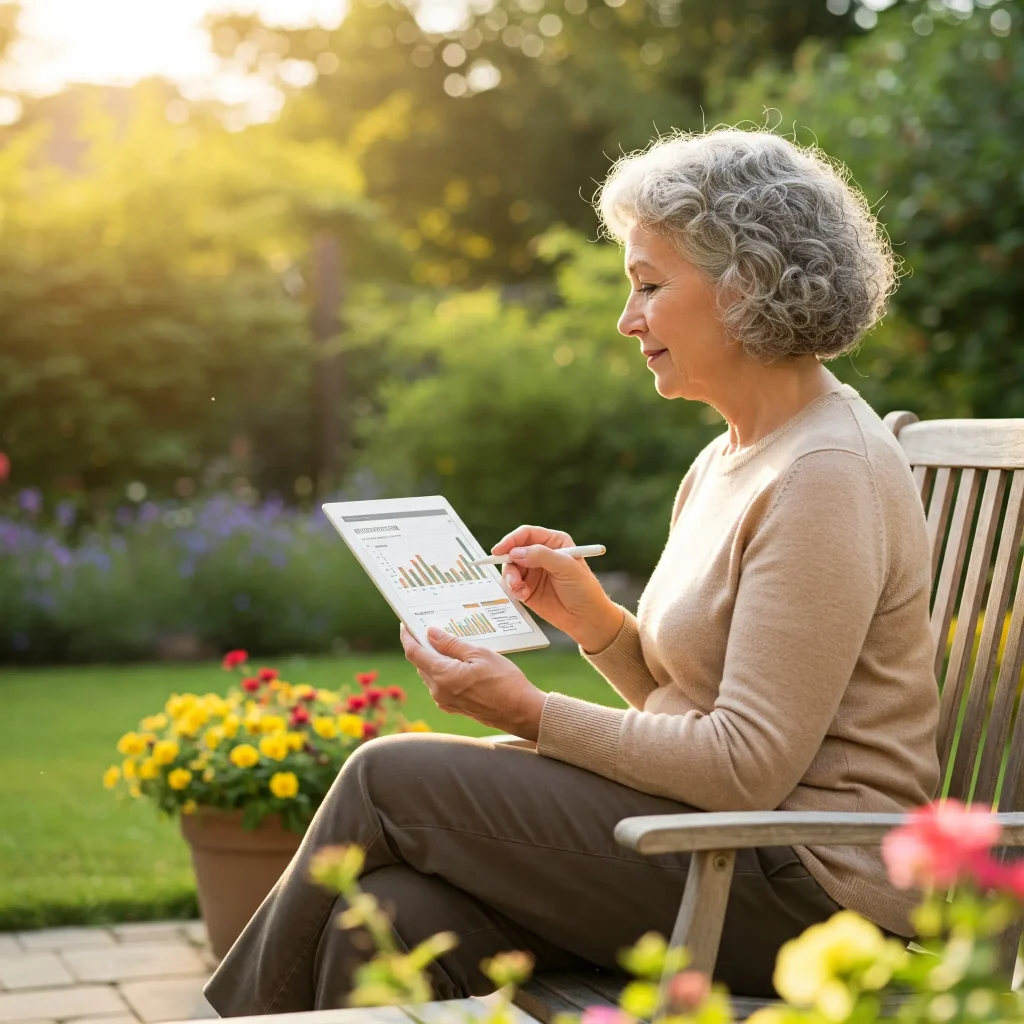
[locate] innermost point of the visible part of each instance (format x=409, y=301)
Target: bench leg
x=702, y=913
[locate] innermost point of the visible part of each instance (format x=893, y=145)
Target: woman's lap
x=527, y=843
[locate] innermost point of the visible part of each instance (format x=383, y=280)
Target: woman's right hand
x=559, y=588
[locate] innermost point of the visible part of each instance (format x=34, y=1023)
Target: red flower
x=939, y=845
x=369, y=730
x=366, y=678
x=396, y=693
x=5, y=467
x=374, y=696
x=309, y=697
x=357, y=702
x=300, y=716
x=266, y=674
x=250, y=684
x=234, y=658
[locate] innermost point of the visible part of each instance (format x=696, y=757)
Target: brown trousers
x=508, y=849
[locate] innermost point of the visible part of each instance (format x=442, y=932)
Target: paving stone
x=33, y=970
x=61, y=1003
x=148, y=931
x=9, y=945
x=66, y=938
x=169, y=999
x=195, y=931
x=135, y=960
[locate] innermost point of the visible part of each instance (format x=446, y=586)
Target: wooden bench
x=970, y=474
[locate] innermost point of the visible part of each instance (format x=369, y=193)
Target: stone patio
x=123, y=974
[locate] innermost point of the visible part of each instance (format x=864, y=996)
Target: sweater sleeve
x=622, y=662
x=810, y=581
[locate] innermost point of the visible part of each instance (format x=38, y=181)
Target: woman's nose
x=631, y=322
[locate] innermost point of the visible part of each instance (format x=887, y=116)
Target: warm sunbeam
x=120, y=41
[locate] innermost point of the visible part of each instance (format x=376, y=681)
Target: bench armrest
x=740, y=830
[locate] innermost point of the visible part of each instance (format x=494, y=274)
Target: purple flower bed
x=153, y=577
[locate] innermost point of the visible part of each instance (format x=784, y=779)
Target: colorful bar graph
x=418, y=573
x=472, y=625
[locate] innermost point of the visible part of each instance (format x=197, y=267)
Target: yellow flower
x=189, y=807
x=284, y=785
x=244, y=755
x=128, y=768
x=213, y=736
x=325, y=727
x=192, y=721
x=418, y=726
x=131, y=744
x=110, y=776
x=252, y=723
x=272, y=724
x=274, y=747
x=165, y=751
x=230, y=726
x=199, y=762
x=135, y=790
x=179, y=778
x=813, y=969
x=296, y=740
x=350, y=725
x=154, y=723
x=216, y=705
x=327, y=696
x=149, y=769
x=302, y=690
x=209, y=775
x=178, y=704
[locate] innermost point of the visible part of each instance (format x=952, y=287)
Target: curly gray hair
x=800, y=264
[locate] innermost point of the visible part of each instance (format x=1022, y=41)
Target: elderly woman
x=781, y=655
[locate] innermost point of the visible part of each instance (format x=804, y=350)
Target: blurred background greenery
x=383, y=278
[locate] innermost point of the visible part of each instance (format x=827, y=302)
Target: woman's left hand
x=474, y=681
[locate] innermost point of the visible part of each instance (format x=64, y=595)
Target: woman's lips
x=654, y=355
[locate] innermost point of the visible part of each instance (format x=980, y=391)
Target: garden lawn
x=71, y=852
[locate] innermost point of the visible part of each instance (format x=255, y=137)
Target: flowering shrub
x=215, y=572
x=267, y=747
x=843, y=971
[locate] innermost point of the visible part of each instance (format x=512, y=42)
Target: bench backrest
x=970, y=474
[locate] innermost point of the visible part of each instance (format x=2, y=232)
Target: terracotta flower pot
x=235, y=869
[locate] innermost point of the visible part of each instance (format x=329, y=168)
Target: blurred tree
x=479, y=137
x=153, y=298
x=928, y=112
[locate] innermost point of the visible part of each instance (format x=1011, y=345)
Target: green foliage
x=147, y=319
x=547, y=417
x=927, y=112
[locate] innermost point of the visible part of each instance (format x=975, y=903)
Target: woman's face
x=671, y=312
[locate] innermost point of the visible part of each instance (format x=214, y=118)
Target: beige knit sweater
x=781, y=656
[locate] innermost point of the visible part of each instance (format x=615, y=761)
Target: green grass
x=70, y=852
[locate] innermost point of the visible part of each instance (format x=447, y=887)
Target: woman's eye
x=648, y=287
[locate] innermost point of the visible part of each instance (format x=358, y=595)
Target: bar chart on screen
x=426, y=560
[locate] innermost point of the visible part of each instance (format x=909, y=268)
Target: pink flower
x=370, y=731
x=686, y=991
x=357, y=702
x=395, y=693
x=266, y=674
x=235, y=658
x=366, y=678
x=604, y=1015
x=374, y=696
x=5, y=467
x=250, y=684
x=300, y=716
x=941, y=844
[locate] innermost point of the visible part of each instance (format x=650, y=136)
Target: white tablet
x=417, y=551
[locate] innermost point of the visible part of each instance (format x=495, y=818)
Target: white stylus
x=583, y=551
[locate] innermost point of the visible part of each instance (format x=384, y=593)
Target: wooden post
x=328, y=295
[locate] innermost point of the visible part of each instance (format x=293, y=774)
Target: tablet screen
x=425, y=556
